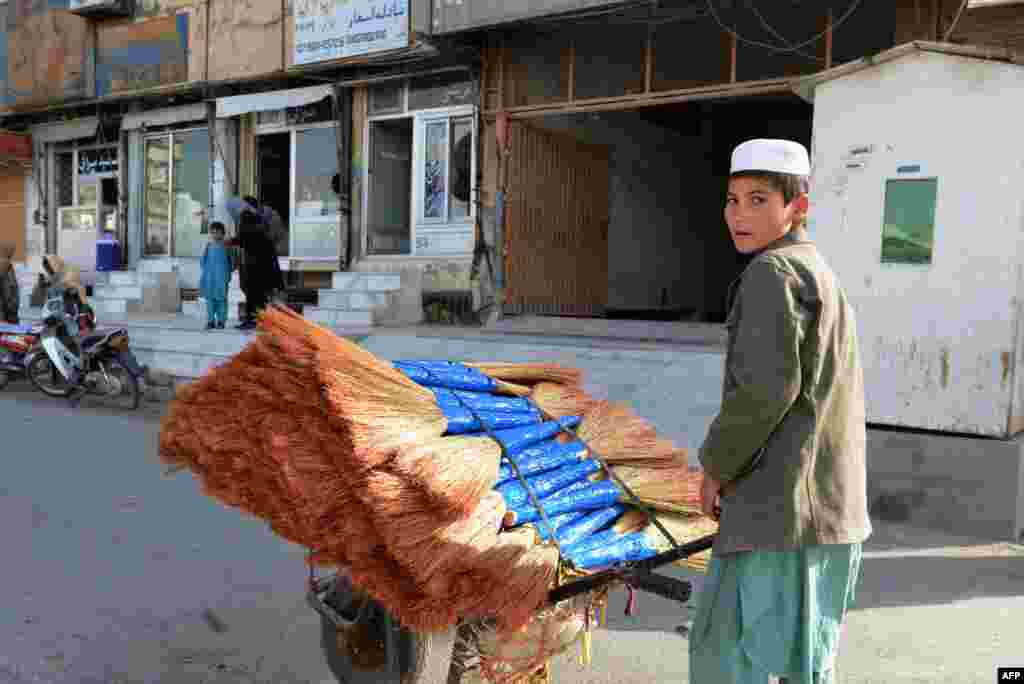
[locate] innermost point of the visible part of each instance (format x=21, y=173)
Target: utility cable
x=775, y=48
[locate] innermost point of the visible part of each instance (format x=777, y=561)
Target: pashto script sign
x=334, y=29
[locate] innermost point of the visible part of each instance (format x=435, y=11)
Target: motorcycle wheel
x=45, y=377
x=129, y=394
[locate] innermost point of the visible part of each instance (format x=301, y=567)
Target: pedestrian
x=276, y=228
x=784, y=459
x=262, y=274
x=216, y=277
x=10, y=293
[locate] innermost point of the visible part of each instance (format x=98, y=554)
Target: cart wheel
x=356, y=651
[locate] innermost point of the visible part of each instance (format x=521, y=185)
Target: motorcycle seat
x=90, y=341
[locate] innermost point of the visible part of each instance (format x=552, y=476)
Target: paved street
x=115, y=573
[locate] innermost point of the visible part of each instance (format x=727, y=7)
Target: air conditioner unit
x=102, y=8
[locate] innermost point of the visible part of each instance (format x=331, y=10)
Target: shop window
x=908, y=229
x=446, y=178
x=177, y=193
x=314, y=230
x=65, y=179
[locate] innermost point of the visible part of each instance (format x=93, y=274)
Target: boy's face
x=757, y=213
x=217, y=235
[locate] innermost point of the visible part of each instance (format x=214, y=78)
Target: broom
x=529, y=373
x=615, y=432
x=648, y=542
x=559, y=400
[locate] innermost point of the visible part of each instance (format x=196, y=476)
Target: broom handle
x=534, y=499
x=639, y=575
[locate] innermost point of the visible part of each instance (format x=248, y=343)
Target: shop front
x=15, y=167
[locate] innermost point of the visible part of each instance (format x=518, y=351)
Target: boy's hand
x=710, y=497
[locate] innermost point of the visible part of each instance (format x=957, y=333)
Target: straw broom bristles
x=453, y=545
x=455, y=473
x=677, y=485
x=619, y=435
x=559, y=400
x=528, y=372
x=685, y=529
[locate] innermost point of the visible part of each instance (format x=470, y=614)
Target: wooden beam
x=649, y=60
x=572, y=71
x=732, y=47
x=640, y=101
x=501, y=73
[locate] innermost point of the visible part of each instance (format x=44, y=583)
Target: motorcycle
x=74, y=359
x=16, y=343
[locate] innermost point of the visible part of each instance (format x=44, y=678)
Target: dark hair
x=252, y=201
x=217, y=225
x=789, y=185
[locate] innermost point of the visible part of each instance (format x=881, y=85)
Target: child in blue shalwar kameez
x=216, y=275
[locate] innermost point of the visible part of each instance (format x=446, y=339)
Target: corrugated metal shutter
x=556, y=259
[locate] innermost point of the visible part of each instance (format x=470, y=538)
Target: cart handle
x=639, y=574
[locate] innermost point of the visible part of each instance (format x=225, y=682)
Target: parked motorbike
x=16, y=343
x=74, y=359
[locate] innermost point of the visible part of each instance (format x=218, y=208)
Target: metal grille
x=449, y=308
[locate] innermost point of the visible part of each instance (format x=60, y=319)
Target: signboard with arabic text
x=336, y=29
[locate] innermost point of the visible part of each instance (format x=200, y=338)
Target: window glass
x=461, y=168
x=157, y=195
x=441, y=90
x=908, y=230
x=435, y=182
x=316, y=207
x=191, y=178
x=65, y=179
x=88, y=193
x=387, y=98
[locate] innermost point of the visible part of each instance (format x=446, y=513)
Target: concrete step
x=366, y=282
x=338, y=317
x=352, y=301
x=180, y=346
x=128, y=278
x=115, y=306
x=118, y=291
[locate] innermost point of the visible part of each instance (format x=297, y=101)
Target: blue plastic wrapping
x=481, y=401
x=635, y=546
x=558, y=522
x=517, y=439
x=592, y=541
x=456, y=378
x=516, y=495
x=591, y=497
x=590, y=523
x=461, y=421
x=542, y=458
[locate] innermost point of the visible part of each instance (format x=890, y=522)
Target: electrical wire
x=956, y=20
x=854, y=5
x=771, y=29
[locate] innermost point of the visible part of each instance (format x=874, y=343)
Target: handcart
x=401, y=656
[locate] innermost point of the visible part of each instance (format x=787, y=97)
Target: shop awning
x=277, y=99
x=167, y=116
x=15, y=147
x=66, y=130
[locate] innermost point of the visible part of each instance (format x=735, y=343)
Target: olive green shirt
x=789, y=440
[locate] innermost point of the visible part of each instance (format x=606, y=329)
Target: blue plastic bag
x=590, y=523
x=588, y=498
x=542, y=458
x=517, y=495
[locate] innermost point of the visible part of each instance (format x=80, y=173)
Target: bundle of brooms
x=403, y=473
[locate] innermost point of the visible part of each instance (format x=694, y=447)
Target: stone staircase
x=360, y=299
x=118, y=293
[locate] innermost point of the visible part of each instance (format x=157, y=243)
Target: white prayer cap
x=776, y=156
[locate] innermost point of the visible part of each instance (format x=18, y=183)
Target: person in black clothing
x=261, y=276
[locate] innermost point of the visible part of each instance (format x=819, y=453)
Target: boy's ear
x=802, y=204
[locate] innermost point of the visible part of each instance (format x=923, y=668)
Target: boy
x=784, y=459
x=216, y=276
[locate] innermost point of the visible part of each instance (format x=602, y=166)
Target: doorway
x=273, y=180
